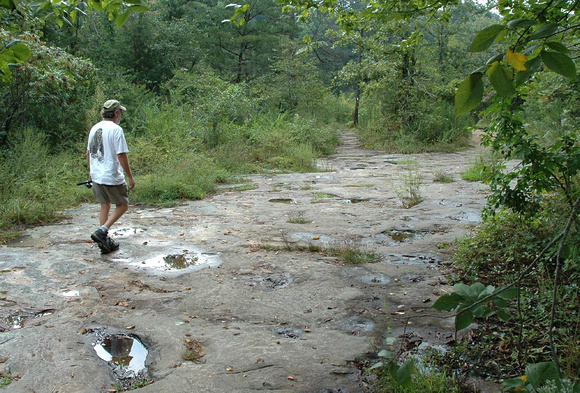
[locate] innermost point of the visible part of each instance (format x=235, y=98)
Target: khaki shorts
x=118, y=195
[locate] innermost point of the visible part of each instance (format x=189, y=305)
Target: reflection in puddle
x=179, y=262
x=126, y=355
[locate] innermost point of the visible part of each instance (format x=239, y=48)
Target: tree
x=18, y=17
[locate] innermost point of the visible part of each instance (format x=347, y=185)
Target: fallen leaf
x=229, y=368
x=130, y=327
x=292, y=379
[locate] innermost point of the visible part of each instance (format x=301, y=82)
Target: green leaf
x=558, y=47
x=504, y=316
x=541, y=372
x=404, y=373
x=469, y=94
x=486, y=37
x=512, y=383
x=532, y=65
x=514, y=24
x=501, y=79
x=138, y=8
x=559, y=63
x=463, y=320
x=544, y=31
x=386, y=354
x=499, y=302
x=122, y=18
x=509, y=293
x=8, y=4
x=447, y=302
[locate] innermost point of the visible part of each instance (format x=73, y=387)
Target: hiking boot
x=105, y=243
x=111, y=245
x=99, y=237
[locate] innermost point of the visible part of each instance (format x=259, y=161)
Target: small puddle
x=375, y=279
x=401, y=236
x=177, y=262
x=282, y=200
x=466, y=217
x=125, y=355
x=355, y=200
x=17, y=320
x=123, y=232
x=357, y=325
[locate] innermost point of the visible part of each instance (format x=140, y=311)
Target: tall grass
x=35, y=184
x=177, y=152
x=433, y=127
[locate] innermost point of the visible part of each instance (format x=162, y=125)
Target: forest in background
x=216, y=91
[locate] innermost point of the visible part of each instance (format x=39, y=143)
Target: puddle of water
x=126, y=355
x=401, y=236
x=375, y=279
x=177, y=262
x=466, y=216
x=123, y=232
x=357, y=325
x=18, y=319
x=420, y=259
x=355, y=200
x=282, y=200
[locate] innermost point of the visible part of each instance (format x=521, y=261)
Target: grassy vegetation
x=442, y=177
x=175, y=156
x=408, y=189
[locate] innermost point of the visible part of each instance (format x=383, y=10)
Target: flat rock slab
x=240, y=273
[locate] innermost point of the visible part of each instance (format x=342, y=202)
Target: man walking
x=108, y=164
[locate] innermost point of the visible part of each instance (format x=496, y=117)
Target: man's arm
x=89, y=163
x=124, y=161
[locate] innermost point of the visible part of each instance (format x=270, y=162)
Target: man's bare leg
x=120, y=209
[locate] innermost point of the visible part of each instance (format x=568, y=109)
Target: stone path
x=239, y=276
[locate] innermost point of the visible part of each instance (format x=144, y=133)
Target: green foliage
x=409, y=188
x=476, y=300
x=541, y=377
x=53, y=86
x=34, y=184
x=512, y=248
x=441, y=177
x=392, y=376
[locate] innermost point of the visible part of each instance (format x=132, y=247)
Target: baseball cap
x=112, y=105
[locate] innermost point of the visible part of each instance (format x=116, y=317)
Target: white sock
x=104, y=229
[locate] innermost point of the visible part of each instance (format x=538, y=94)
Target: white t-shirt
x=106, y=140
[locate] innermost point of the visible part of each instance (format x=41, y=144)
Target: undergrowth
x=497, y=253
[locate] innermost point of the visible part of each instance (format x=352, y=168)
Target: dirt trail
x=228, y=272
